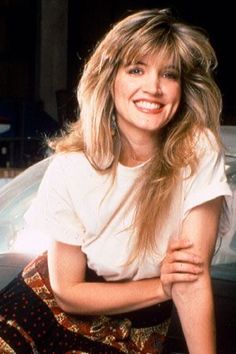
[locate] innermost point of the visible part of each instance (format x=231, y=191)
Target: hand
x=179, y=265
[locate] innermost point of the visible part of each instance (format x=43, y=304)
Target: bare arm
x=194, y=300
x=67, y=266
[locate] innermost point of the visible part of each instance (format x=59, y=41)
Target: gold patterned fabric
x=32, y=322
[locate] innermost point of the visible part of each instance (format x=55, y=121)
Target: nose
x=152, y=84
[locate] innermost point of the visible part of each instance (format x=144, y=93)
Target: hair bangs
x=141, y=47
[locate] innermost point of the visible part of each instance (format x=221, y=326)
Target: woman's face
x=146, y=95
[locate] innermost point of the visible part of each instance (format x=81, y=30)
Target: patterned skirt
x=32, y=322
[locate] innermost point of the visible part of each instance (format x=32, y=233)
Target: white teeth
x=148, y=105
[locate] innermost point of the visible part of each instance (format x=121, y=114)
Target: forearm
x=194, y=303
x=110, y=298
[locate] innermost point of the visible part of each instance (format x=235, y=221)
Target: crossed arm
x=67, y=266
x=185, y=277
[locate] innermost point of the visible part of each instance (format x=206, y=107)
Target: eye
x=172, y=75
x=135, y=70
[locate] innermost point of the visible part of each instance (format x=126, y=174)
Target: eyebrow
x=136, y=63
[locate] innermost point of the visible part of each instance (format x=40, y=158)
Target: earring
x=113, y=125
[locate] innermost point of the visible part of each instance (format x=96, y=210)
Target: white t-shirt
x=76, y=204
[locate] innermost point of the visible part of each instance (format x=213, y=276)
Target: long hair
x=143, y=33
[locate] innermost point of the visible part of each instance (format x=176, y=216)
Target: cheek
x=179, y=91
x=121, y=97
x=123, y=87
x=175, y=94
x=118, y=90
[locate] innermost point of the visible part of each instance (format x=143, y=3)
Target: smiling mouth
x=148, y=106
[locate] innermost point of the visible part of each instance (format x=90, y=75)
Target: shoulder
x=206, y=153
x=69, y=162
x=206, y=142
x=210, y=161
x=64, y=168
x=68, y=158
x=72, y=170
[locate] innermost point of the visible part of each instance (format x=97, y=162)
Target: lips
x=148, y=106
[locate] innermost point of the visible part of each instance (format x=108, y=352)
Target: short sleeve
x=209, y=181
x=52, y=212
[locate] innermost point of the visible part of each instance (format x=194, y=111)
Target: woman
x=132, y=202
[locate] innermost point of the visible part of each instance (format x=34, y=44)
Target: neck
x=135, y=152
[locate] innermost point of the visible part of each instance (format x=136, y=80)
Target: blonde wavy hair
x=139, y=34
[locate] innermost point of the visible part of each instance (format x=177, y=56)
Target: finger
x=184, y=256
x=178, y=278
x=178, y=244
x=181, y=267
